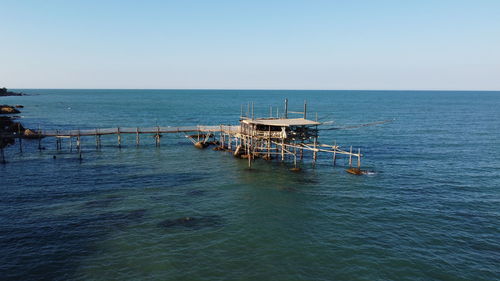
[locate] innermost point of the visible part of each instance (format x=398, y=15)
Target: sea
x=429, y=208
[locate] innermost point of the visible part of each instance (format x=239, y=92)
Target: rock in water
x=30, y=134
x=356, y=171
x=193, y=222
x=7, y=109
x=200, y=145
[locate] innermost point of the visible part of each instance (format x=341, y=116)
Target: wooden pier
x=278, y=137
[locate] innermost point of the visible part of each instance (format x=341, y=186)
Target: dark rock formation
x=7, y=128
x=7, y=109
x=4, y=92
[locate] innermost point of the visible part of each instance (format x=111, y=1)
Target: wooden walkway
x=138, y=130
x=230, y=138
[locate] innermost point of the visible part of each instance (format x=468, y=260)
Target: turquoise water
x=430, y=210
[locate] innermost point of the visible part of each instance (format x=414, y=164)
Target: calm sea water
x=431, y=210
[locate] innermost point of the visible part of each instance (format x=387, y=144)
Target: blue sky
x=443, y=45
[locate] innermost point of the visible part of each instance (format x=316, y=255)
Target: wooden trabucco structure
x=278, y=137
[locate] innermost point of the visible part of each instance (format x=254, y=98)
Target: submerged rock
x=195, y=192
x=288, y=189
x=193, y=222
x=101, y=203
x=110, y=220
x=135, y=214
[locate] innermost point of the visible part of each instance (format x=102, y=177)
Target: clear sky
x=281, y=44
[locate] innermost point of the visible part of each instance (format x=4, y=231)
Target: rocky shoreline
x=9, y=128
x=4, y=93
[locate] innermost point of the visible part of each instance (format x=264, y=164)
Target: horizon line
x=264, y=89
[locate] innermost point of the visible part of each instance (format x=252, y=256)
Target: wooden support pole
x=295, y=155
x=96, y=139
x=249, y=153
x=99, y=139
x=119, y=137
x=282, y=149
x=269, y=146
x=157, y=136
x=350, y=157
x=78, y=143
x=315, y=153
x=253, y=145
x=137, y=138
x=79, y=146
x=295, y=158
x=70, y=144
x=359, y=158
x=221, y=142
x=335, y=154
x=57, y=140
x=39, y=139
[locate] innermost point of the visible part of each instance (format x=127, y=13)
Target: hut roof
x=282, y=122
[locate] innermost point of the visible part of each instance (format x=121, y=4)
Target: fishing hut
x=280, y=137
